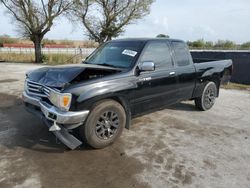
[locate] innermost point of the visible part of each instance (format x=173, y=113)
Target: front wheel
x=104, y=124
x=207, y=100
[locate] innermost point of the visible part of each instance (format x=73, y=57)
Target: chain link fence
x=73, y=51
x=51, y=55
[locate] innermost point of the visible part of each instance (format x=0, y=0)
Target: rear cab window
x=181, y=53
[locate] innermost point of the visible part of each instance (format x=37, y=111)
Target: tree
x=245, y=46
x=225, y=44
x=199, y=44
x=162, y=36
x=209, y=45
x=106, y=19
x=35, y=18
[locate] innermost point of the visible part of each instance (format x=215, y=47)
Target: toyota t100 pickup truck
x=120, y=80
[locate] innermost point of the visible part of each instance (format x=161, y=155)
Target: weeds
x=236, y=86
x=50, y=59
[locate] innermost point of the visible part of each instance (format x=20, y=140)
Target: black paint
x=241, y=63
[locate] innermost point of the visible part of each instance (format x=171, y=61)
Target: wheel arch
x=217, y=80
x=125, y=104
x=202, y=82
x=121, y=99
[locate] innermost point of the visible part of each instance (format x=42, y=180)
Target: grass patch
x=17, y=57
x=50, y=59
x=59, y=59
x=236, y=86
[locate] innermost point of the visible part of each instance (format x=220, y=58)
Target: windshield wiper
x=108, y=65
x=85, y=62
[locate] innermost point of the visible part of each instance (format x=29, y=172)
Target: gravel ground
x=175, y=147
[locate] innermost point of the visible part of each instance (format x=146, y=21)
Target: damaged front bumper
x=53, y=117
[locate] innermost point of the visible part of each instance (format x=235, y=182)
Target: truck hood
x=61, y=76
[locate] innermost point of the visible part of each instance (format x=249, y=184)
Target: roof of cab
x=147, y=39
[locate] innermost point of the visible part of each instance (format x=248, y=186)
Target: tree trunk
x=38, y=49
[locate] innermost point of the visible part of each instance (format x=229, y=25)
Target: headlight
x=60, y=100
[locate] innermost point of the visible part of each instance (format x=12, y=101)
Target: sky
x=183, y=19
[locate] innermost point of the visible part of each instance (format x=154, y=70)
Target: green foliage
x=220, y=45
x=245, y=46
x=201, y=44
x=44, y=58
x=209, y=45
x=225, y=44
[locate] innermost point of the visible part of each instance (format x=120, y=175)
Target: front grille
x=37, y=89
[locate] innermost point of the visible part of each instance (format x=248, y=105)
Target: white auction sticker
x=129, y=52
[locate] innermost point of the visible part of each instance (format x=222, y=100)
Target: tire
x=104, y=124
x=207, y=100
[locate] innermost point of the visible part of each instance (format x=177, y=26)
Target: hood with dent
x=60, y=76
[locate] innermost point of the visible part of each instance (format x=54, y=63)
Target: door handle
x=172, y=73
x=145, y=79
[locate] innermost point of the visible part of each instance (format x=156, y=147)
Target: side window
x=182, y=56
x=159, y=53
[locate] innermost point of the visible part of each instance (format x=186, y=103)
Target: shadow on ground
x=183, y=107
x=34, y=150
x=31, y=133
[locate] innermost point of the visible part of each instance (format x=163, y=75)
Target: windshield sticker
x=129, y=53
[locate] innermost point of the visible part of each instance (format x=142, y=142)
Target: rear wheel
x=104, y=124
x=207, y=100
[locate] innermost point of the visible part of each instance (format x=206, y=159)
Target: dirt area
x=175, y=147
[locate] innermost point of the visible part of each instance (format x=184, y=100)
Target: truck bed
x=220, y=68
x=203, y=60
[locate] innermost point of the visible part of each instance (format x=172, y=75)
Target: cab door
x=157, y=88
x=185, y=69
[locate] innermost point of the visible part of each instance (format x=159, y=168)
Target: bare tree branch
x=106, y=19
x=35, y=18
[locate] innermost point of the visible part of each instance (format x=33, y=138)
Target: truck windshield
x=120, y=54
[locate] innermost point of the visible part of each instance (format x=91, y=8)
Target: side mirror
x=147, y=66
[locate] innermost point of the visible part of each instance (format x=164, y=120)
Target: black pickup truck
x=120, y=80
